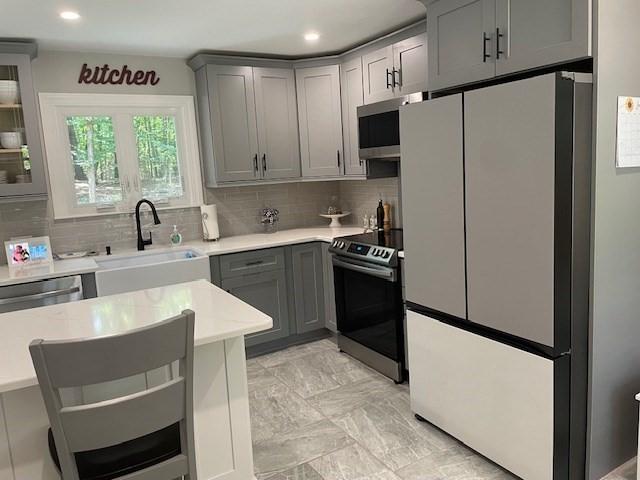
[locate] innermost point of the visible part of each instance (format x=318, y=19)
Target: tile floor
x=318, y=414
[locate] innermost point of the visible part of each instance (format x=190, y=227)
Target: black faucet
x=156, y=221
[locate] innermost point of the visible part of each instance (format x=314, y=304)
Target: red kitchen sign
x=106, y=75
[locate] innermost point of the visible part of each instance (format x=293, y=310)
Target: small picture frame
x=27, y=253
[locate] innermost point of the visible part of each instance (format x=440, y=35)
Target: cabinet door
x=308, y=287
x=377, y=68
x=277, y=122
x=352, y=97
x=461, y=49
x=541, y=33
x=320, y=121
x=410, y=61
x=21, y=160
x=431, y=142
x=329, y=290
x=233, y=112
x=268, y=293
x=510, y=207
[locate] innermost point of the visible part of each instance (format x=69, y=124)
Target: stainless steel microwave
x=379, y=127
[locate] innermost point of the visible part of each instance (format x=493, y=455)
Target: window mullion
x=127, y=158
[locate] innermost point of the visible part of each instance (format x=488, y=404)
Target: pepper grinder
x=387, y=217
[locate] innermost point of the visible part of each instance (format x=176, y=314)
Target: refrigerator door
x=496, y=399
x=510, y=168
x=431, y=143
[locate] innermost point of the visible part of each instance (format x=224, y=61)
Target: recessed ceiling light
x=69, y=15
x=311, y=36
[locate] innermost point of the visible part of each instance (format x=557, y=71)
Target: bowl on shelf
x=335, y=218
x=9, y=91
x=11, y=140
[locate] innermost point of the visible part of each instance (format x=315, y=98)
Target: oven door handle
x=387, y=274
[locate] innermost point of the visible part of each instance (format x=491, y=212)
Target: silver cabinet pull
x=254, y=263
x=39, y=296
x=393, y=77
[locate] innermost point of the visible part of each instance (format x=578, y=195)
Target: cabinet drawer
x=246, y=263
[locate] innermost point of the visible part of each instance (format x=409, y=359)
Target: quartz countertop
x=234, y=244
x=219, y=316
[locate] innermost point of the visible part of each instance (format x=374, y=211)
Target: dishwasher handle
x=40, y=296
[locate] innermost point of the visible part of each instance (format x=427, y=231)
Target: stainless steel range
x=369, y=299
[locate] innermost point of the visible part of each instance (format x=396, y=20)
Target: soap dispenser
x=176, y=237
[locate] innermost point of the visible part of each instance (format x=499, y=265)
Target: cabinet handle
x=393, y=76
x=264, y=162
x=389, y=85
x=485, y=38
x=254, y=263
x=498, y=37
x=255, y=163
x=338, y=155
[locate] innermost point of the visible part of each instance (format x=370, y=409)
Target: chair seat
x=128, y=457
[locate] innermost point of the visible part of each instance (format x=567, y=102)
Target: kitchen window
x=106, y=152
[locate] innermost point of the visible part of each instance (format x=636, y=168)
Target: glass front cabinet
x=21, y=155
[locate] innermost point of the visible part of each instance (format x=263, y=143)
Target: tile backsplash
x=238, y=213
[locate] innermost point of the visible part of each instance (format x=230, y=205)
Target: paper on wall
x=628, y=130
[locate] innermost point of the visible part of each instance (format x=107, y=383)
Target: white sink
x=119, y=274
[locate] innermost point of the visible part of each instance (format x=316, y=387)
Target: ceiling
x=184, y=27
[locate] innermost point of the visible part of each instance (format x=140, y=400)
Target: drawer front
x=248, y=263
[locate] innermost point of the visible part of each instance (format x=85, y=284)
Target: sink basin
x=143, y=270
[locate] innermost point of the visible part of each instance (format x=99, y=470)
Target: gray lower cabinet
x=267, y=292
x=308, y=287
x=331, y=320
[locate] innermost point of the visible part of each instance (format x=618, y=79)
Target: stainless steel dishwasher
x=40, y=293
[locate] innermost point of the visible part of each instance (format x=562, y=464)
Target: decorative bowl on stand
x=335, y=218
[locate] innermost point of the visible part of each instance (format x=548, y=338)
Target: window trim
x=55, y=107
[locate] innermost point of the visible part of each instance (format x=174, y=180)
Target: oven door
x=369, y=306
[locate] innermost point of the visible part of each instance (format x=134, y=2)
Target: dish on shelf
x=9, y=91
x=335, y=218
x=11, y=140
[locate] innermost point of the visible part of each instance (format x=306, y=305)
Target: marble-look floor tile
x=351, y=463
x=292, y=353
x=386, y=434
x=320, y=372
x=335, y=403
x=275, y=409
x=301, y=472
x=295, y=447
x=260, y=378
x=455, y=464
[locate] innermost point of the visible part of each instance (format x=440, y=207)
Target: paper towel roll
x=210, y=222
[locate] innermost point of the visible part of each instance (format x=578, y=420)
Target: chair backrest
x=74, y=363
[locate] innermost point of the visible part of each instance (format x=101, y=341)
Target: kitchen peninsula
x=221, y=407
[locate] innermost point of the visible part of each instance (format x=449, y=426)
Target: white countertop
x=60, y=268
x=219, y=316
x=240, y=243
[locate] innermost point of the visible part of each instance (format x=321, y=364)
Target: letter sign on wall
x=106, y=75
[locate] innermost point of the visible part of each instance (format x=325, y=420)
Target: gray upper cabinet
x=460, y=36
x=233, y=119
x=395, y=70
x=352, y=94
x=277, y=119
x=431, y=139
x=410, y=62
x=543, y=32
x=510, y=191
x=320, y=121
x=308, y=287
x=379, y=75
x=22, y=159
x=473, y=40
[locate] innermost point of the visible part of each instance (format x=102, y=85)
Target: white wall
x=615, y=349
